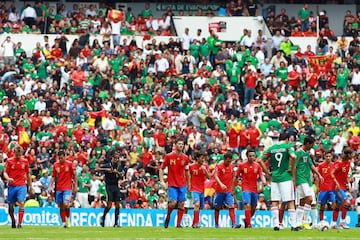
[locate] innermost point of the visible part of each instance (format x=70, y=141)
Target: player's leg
x=218, y=203
x=172, y=192
x=181, y=198
x=344, y=209
x=59, y=195
x=287, y=198
x=12, y=201
x=66, y=207
x=21, y=197
x=254, y=200
x=196, y=202
x=110, y=199
x=247, y=208
x=314, y=211
x=336, y=209
x=117, y=212
x=229, y=203
x=275, y=200
x=117, y=208
x=281, y=214
x=322, y=200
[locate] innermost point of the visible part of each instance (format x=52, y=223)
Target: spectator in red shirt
x=158, y=100
x=250, y=84
x=78, y=77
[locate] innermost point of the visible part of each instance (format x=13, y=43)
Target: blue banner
x=144, y=217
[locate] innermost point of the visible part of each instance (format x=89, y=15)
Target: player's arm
x=75, y=180
x=262, y=177
x=188, y=177
x=28, y=180
x=206, y=171
x=218, y=181
x=292, y=160
x=161, y=172
x=264, y=168
x=333, y=172
x=315, y=171
x=52, y=181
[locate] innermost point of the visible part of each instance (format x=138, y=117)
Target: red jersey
x=64, y=173
x=341, y=170
x=198, y=177
x=233, y=138
x=254, y=134
x=176, y=168
x=250, y=80
x=250, y=173
x=158, y=100
x=17, y=169
x=325, y=171
x=146, y=158
x=226, y=175
x=313, y=80
x=160, y=137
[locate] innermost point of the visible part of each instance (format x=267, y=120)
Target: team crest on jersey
x=224, y=171
x=23, y=166
x=58, y=170
x=66, y=169
x=183, y=162
x=13, y=167
x=255, y=170
x=245, y=170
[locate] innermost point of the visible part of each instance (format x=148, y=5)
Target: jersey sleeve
x=260, y=171
x=53, y=174
x=239, y=170
x=7, y=166
x=165, y=163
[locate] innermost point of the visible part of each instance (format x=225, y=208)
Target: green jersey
x=81, y=183
x=303, y=167
x=279, y=155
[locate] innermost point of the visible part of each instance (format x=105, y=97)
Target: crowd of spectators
x=94, y=99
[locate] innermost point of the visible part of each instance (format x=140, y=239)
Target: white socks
x=275, y=216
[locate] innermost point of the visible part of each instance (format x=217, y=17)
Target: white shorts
x=282, y=191
x=188, y=203
x=304, y=190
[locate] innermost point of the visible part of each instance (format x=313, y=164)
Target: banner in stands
x=186, y=6
x=218, y=26
x=142, y=217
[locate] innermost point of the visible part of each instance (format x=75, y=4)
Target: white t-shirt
x=115, y=28
x=8, y=49
x=186, y=40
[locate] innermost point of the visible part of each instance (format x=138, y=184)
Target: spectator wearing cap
x=45, y=179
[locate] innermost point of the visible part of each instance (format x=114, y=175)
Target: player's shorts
x=282, y=191
x=63, y=196
x=250, y=197
x=325, y=197
x=113, y=193
x=304, y=190
x=198, y=197
x=177, y=194
x=222, y=199
x=188, y=203
x=16, y=194
x=340, y=196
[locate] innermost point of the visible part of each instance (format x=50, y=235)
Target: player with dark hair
x=65, y=175
x=281, y=159
x=340, y=177
x=113, y=171
x=225, y=182
x=305, y=192
x=199, y=172
x=178, y=177
x=250, y=172
x=327, y=187
x=17, y=174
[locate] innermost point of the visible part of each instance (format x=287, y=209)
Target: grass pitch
x=46, y=232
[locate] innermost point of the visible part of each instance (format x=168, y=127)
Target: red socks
x=248, y=217
x=343, y=212
x=179, y=217
x=196, y=217
x=67, y=212
x=232, y=216
x=335, y=215
x=20, y=216
x=63, y=215
x=169, y=211
x=281, y=215
x=216, y=215
x=321, y=213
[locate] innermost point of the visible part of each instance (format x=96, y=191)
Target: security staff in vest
x=114, y=174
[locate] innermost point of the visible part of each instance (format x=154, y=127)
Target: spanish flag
x=236, y=127
x=115, y=15
x=94, y=115
x=122, y=122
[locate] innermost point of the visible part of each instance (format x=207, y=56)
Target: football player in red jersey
x=64, y=174
x=224, y=188
x=178, y=173
x=340, y=177
x=17, y=174
x=199, y=172
x=327, y=187
x=250, y=172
